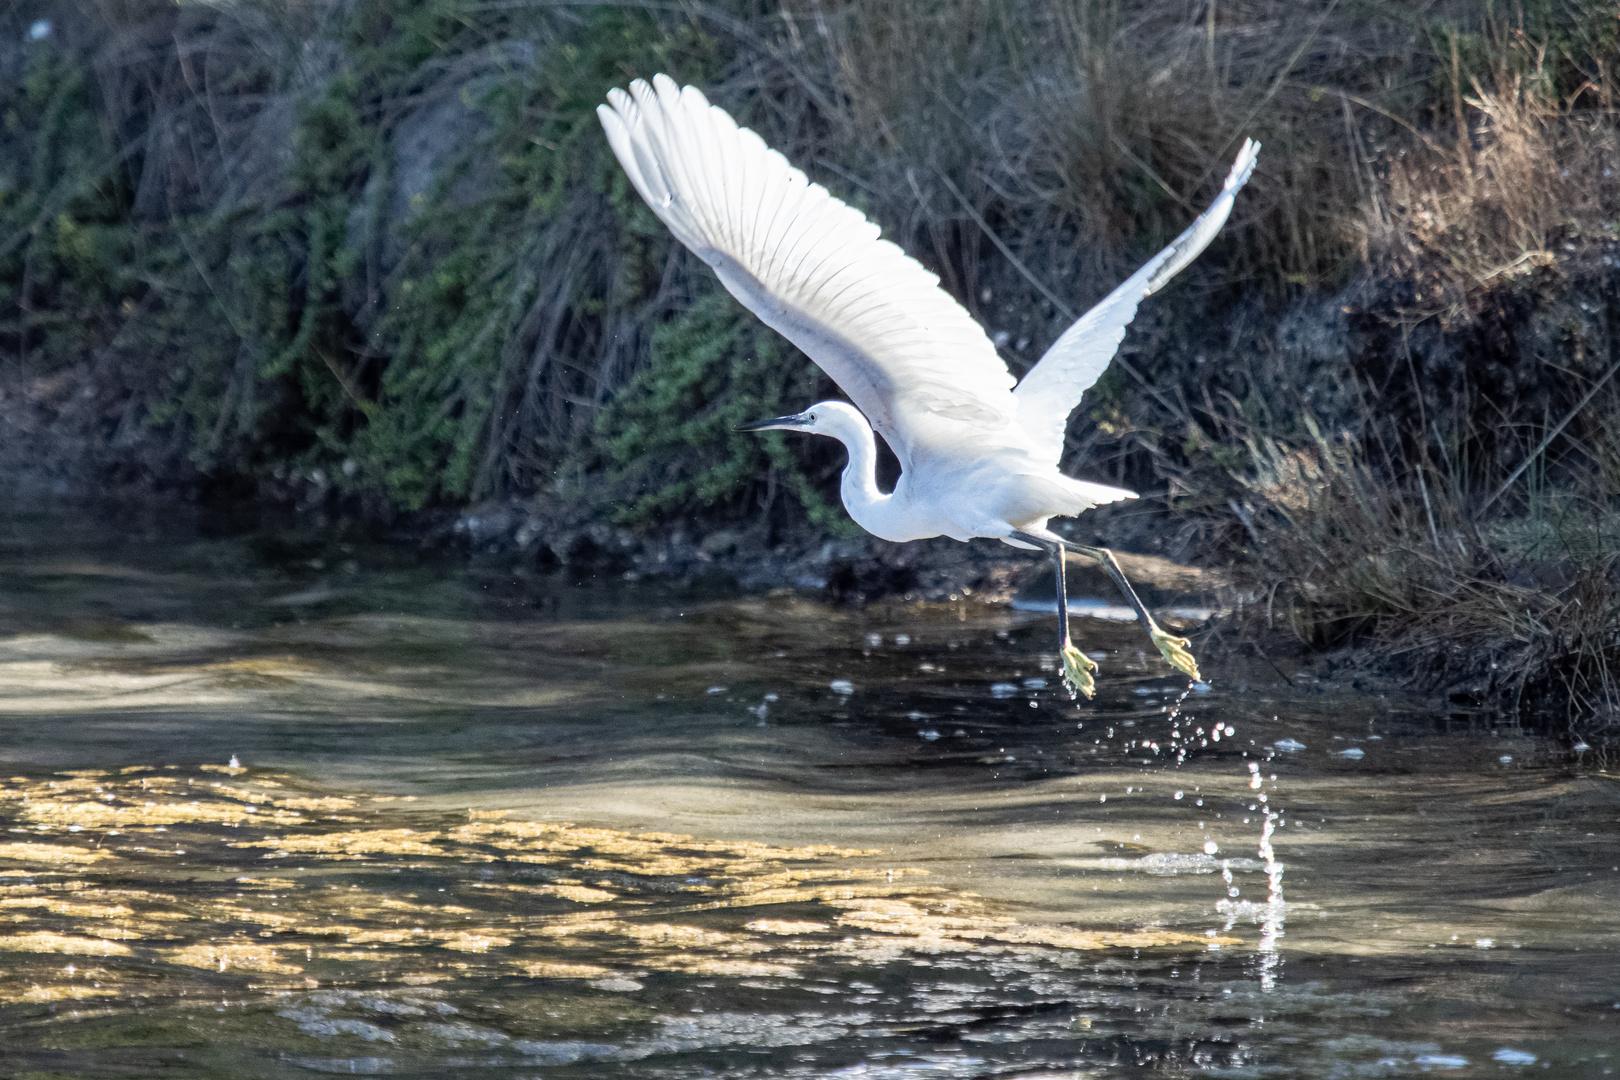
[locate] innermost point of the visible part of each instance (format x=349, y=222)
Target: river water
x=279, y=804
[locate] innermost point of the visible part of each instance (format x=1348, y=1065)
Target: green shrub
x=672, y=432
x=526, y=320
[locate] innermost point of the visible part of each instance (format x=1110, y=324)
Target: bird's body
x=985, y=489
x=978, y=450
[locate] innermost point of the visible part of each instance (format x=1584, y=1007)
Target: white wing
x=815, y=270
x=1052, y=389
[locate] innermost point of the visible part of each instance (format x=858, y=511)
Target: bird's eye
x=812, y=418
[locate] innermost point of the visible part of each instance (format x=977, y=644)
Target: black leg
x=1062, y=597
x=1173, y=649
x=1077, y=666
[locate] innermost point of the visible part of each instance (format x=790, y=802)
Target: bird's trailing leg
x=1077, y=666
x=1173, y=649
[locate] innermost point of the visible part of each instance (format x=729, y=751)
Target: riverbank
x=377, y=265
x=1362, y=538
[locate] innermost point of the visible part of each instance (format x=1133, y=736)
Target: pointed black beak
x=788, y=422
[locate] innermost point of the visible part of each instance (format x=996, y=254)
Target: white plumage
x=978, y=453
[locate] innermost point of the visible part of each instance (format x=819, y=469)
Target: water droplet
x=1355, y=753
x=902, y=639
x=1289, y=746
x=1178, y=794
x=715, y=690
x=1506, y=759
x=928, y=733
x=1210, y=846
x=842, y=686
x=1003, y=690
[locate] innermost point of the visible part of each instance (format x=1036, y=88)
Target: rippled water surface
x=280, y=805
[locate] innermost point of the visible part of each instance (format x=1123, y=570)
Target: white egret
x=978, y=450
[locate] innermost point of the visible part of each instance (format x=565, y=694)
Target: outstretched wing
x=814, y=269
x=1052, y=389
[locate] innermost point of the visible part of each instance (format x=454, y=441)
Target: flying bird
x=978, y=450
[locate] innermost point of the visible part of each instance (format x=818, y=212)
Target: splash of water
x=1271, y=915
x=1271, y=922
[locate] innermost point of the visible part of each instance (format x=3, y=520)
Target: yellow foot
x=1174, y=650
x=1077, y=669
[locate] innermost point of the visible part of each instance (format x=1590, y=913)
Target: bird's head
x=826, y=418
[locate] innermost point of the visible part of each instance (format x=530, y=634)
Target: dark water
x=280, y=805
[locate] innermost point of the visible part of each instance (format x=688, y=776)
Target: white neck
x=872, y=510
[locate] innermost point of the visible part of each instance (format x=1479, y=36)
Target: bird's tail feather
x=1097, y=494
x=1040, y=497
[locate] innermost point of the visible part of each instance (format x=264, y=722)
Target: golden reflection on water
x=148, y=882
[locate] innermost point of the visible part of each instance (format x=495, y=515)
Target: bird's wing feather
x=814, y=269
x=1052, y=389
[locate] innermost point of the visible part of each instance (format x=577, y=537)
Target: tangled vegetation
x=379, y=252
